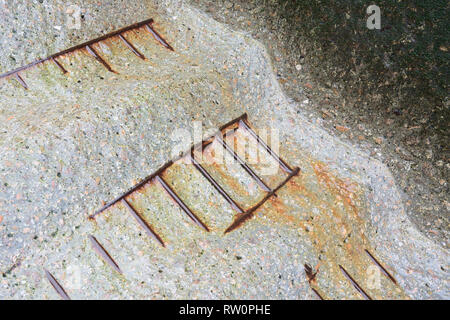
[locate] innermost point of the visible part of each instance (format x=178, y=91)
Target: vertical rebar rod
x=317, y=293
x=21, y=81
x=59, y=65
x=215, y=184
x=101, y=251
x=131, y=47
x=383, y=269
x=244, y=165
x=281, y=162
x=94, y=53
x=158, y=37
x=355, y=284
x=55, y=284
x=180, y=203
x=142, y=222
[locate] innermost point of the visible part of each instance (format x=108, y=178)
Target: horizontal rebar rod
x=133, y=189
x=249, y=213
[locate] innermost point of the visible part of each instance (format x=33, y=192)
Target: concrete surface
x=72, y=141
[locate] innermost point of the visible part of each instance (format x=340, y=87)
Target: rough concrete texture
x=73, y=141
x=384, y=91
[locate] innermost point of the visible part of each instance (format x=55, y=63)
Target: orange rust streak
x=250, y=212
x=336, y=185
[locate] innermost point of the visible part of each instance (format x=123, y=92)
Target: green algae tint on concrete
x=71, y=142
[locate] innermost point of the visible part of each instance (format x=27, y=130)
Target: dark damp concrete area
x=384, y=90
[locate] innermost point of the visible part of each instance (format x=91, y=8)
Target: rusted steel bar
x=210, y=139
x=310, y=274
x=59, y=65
x=383, y=269
x=143, y=223
x=133, y=189
x=101, y=251
x=244, y=165
x=282, y=163
x=233, y=122
x=131, y=47
x=249, y=213
x=158, y=37
x=94, y=53
x=215, y=184
x=355, y=284
x=78, y=47
x=219, y=132
x=55, y=284
x=21, y=81
x=317, y=293
x=180, y=202
x=202, y=144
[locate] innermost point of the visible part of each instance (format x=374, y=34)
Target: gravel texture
x=72, y=141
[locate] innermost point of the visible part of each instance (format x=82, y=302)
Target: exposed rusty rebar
x=242, y=215
x=215, y=184
x=131, y=47
x=149, y=230
x=101, y=251
x=355, y=284
x=55, y=284
x=78, y=47
x=249, y=213
x=180, y=203
x=383, y=269
x=94, y=53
